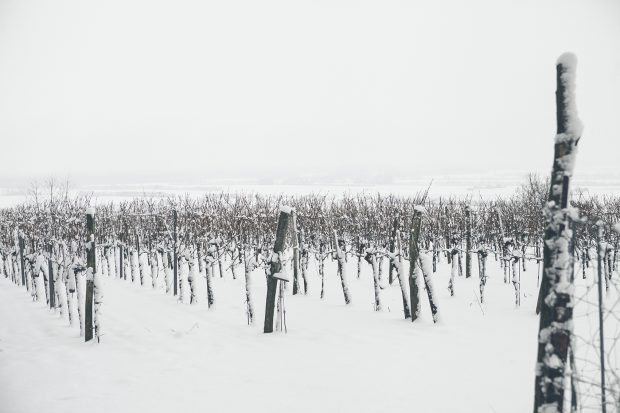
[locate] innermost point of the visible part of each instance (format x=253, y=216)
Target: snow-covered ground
x=158, y=355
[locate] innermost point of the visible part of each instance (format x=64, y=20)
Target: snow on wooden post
x=392, y=247
x=250, y=265
x=304, y=260
x=90, y=274
x=276, y=267
x=600, y=254
x=342, y=271
x=467, y=242
x=120, y=259
x=556, y=294
x=371, y=258
x=50, y=271
x=295, y=253
x=482, y=270
x=140, y=261
x=88, y=309
x=397, y=260
x=414, y=253
x=175, y=263
x=192, y=278
x=21, y=259
x=209, y=274
x=426, y=265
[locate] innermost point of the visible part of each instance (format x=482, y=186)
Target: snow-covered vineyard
x=158, y=355
x=180, y=288
x=284, y=301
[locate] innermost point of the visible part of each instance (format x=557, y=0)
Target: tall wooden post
x=120, y=259
x=303, y=259
x=276, y=265
x=467, y=242
x=392, y=249
x=21, y=260
x=50, y=270
x=125, y=249
x=556, y=298
x=342, y=272
x=140, y=267
x=414, y=254
x=401, y=277
x=91, y=268
x=295, y=252
x=599, y=267
x=174, y=251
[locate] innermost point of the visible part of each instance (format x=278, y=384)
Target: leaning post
x=276, y=266
x=414, y=254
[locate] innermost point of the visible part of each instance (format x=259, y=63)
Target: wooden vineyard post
x=392, y=247
x=120, y=259
x=601, y=338
x=401, y=276
x=124, y=249
x=467, y=242
x=295, y=252
x=340, y=255
x=140, y=266
x=90, y=274
x=50, y=270
x=555, y=302
x=174, y=252
x=414, y=254
x=447, y=237
x=303, y=260
x=276, y=266
x=21, y=260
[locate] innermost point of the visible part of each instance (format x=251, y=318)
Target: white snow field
x=158, y=355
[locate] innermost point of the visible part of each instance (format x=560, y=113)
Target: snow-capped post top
x=287, y=209
x=420, y=209
x=568, y=121
x=90, y=211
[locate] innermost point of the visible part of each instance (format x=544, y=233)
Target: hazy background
x=190, y=91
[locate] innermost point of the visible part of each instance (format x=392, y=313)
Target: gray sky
x=156, y=90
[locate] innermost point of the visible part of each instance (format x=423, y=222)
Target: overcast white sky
x=156, y=89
